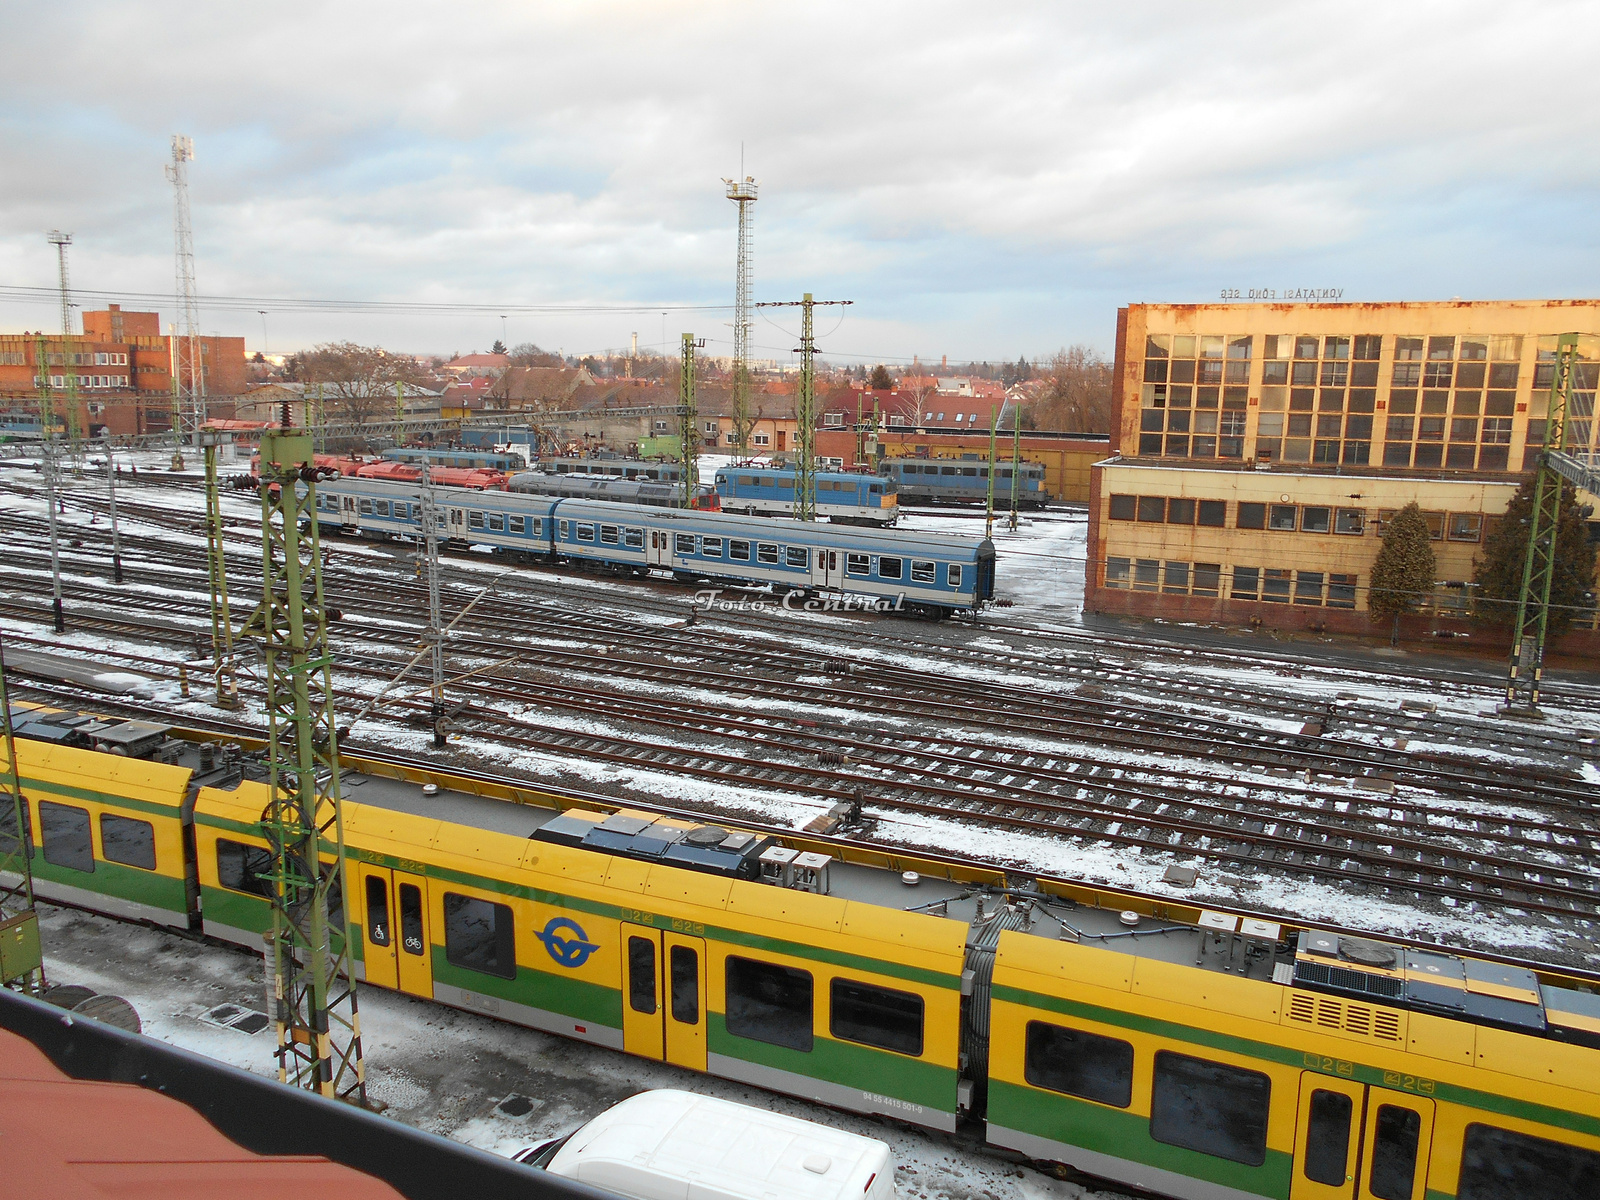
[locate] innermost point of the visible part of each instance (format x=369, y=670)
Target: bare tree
x=358, y=381
x=1076, y=397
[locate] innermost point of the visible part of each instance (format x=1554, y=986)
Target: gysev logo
x=568, y=944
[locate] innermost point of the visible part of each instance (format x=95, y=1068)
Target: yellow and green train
x=1190, y=1052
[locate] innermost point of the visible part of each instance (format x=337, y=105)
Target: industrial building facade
x=1262, y=447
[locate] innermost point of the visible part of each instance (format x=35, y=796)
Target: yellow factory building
x=1260, y=448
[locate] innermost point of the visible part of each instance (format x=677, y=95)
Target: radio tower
x=188, y=377
x=743, y=193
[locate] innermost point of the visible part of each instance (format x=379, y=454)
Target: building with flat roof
x=1260, y=448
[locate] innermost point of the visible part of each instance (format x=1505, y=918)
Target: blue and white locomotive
x=923, y=575
x=842, y=496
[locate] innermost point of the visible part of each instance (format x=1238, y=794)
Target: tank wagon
x=1198, y=1053
x=920, y=575
x=842, y=496
x=957, y=481
x=614, y=488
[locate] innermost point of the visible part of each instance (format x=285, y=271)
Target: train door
x=663, y=988
x=457, y=526
x=660, y=548
x=348, y=514
x=395, y=939
x=825, y=568
x=1355, y=1142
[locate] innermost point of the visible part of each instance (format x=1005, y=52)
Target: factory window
x=711, y=547
x=875, y=1016
x=1076, y=1063
x=1207, y=579
x=366, y=508
x=1123, y=507
x=1146, y=574
x=474, y=519
x=796, y=556
x=1308, y=587
x=738, y=551
x=1281, y=517
x=890, y=568
x=1212, y=512
x=1210, y=1107
x=858, y=564
x=242, y=868
x=1327, y=1149
x=1251, y=516
x=1350, y=520
x=497, y=522
x=922, y=572
x=1180, y=512
x=585, y=532
x=610, y=535
x=766, y=552
x=1117, y=572
x=518, y=524
x=1341, y=591
x=479, y=936
x=683, y=543
x=67, y=841
x=1466, y=527
x=127, y=841
x=633, y=539
x=953, y=575
x=642, y=974
x=1175, y=579
x=1498, y=1164
x=769, y=1003
x=1152, y=508
x=1246, y=583
x=1275, y=586
x=1315, y=520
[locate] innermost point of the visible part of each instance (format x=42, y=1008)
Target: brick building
x=1260, y=449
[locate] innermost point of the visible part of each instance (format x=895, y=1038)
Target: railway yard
x=1346, y=790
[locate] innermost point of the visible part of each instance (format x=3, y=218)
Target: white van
x=672, y=1145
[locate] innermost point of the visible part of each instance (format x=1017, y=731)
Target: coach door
x=348, y=513
x=1355, y=1142
x=825, y=568
x=457, y=528
x=663, y=996
x=395, y=939
x=660, y=548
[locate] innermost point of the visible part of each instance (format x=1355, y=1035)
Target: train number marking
x=1408, y=1083
x=406, y=864
x=634, y=917
x=694, y=927
x=1330, y=1066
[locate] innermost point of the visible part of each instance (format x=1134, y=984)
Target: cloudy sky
x=982, y=180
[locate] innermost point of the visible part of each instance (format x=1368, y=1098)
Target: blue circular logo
x=569, y=951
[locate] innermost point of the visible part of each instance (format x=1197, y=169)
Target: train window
x=948, y=471
x=366, y=508
x=8, y=829
x=969, y=471
x=411, y=939
x=1003, y=473
x=1077, y=1063
x=517, y=524
x=642, y=974
x=953, y=575
x=610, y=534
x=377, y=910
x=1394, y=1153
x=875, y=488
x=128, y=841
x=748, y=481
x=497, y=522
x=1497, y=1164
x=711, y=547
x=633, y=538
x=685, y=964
x=786, y=483
x=381, y=508
x=1251, y=516
x=242, y=868
x=566, y=527
x=1213, y=513
x=65, y=830
x=876, y=1016
x=474, y=520
x=766, y=552
x=479, y=936
x=1210, y=1107
x=922, y=572
x=797, y=556
x=585, y=532
x=858, y=564
x=683, y=543
x=738, y=551
x=890, y=568
x=769, y=1003
x=1328, y=1138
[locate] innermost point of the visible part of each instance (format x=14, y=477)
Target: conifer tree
x=1403, y=576
x=1498, y=573
x=880, y=378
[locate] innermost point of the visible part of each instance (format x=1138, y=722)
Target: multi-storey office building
x=1261, y=448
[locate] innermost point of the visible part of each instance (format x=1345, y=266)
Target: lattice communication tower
x=188, y=371
x=743, y=193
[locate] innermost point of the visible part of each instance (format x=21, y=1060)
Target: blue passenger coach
x=842, y=496
x=926, y=575
x=956, y=481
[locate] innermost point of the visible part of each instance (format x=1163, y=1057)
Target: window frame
x=1032, y=1073
x=504, y=935
x=911, y=1047
x=147, y=837
x=795, y=1033
x=1163, y=1117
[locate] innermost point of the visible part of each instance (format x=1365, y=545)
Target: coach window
x=875, y=488
x=1212, y=512
x=1180, y=512
x=738, y=551
x=1328, y=1138
x=875, y=1016
x=474, y=520
x=1251, y=516
x=1117, y=572
x=497, y=522
x=1207, y=579
x=566, y=530
x=858, y=564
x=478, y=936
x=642, y=974
x=1152, y=508
x=381, y=508
x=1394, y=1153
x=949, y=471
x=65, y=831
x=683, y=543
x=953, y=574
x=711, y=547
x=632, y=538
x=128, y=841
x=796, y=556
x=1315, y=520
x=766, y=552
x=1210, y=1107
x=769, y=1003
x=922, y=572
x=517, y=524
x=1281, y=517
x=1122, y=507
x=890, y=568
x=1076, y=1063
x=8, y=830
x=366, y=508
x=609, y=534
x=585, y=532
x=242, y=868
x=1497, y=1164
x=1350, y=520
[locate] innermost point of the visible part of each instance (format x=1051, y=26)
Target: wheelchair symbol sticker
x=566, y=941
